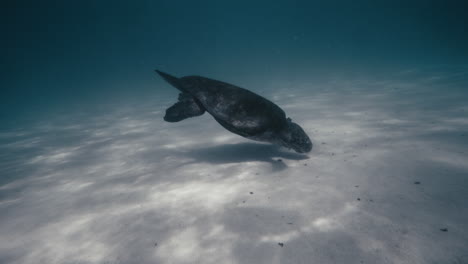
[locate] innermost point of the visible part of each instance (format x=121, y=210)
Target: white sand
x=122, y=186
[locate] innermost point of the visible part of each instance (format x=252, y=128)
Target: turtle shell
x=236, y=109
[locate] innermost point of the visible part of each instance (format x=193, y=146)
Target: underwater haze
x=91, y=173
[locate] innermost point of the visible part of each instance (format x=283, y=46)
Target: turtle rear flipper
x=186, y=107
x=174, y=81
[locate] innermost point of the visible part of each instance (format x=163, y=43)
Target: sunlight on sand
x=123, y=186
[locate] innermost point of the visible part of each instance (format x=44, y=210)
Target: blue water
x=56, y=53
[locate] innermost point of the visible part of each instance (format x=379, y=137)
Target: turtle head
x=293, y=136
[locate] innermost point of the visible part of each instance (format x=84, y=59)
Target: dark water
x=56, y=53
x=89, y=172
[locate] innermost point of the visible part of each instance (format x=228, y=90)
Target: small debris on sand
x=417, y=182
x=356, y=186
x=251, y=192
x=444, y=229
x=155, y=244
x=279, y=160
x=243, y=201
x=305, y=164
x=281, y=244
x=290, y=223
x=256, y=173
x=359, y=199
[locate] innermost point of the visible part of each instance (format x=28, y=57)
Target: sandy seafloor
x=386, y=181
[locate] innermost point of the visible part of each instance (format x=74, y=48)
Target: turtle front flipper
x=186, y=107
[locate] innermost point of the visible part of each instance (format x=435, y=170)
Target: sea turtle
x=238, y=110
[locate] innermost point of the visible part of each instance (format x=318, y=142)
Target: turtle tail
x=174, y=81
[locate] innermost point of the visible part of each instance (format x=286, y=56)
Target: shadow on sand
x=245, y=152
